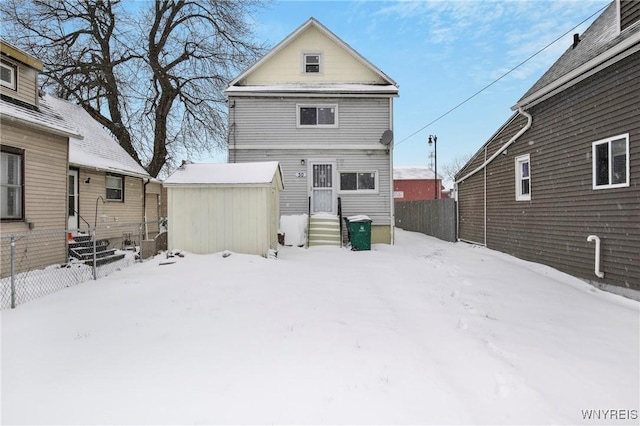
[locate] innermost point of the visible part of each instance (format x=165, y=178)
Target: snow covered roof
x=306, y=89
x=43, y=117
x=96, y=149
x=413, y=173
x=225, y=173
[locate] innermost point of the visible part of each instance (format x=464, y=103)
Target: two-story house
x=325, y=113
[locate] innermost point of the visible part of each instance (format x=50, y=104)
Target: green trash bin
x=359, y=230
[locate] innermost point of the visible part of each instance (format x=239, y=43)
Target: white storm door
x=73, y=205
x=323, y=194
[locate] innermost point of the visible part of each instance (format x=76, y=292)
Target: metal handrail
x=308, y=220
x=340, y=218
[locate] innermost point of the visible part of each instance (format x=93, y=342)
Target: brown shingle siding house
x=567, y=165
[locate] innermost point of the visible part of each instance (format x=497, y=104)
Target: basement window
x=523, y=178
x=611, y=162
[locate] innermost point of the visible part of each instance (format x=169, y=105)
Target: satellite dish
x=387, y=137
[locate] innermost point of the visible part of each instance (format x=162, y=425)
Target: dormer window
x=8, y=75
x=311, y=63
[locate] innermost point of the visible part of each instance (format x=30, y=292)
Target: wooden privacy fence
x=431, y=217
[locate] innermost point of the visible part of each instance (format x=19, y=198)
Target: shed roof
x=97, y=149
x=225, y=173
x=413, y=173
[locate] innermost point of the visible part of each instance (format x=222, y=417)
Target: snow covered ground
x=422, y=332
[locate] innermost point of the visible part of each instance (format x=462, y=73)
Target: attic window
x=311, y=63
x=8, y=75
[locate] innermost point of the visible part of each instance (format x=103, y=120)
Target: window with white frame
x=523, y=178
x=115, y=188
x=317, y=116
x=8, y=75
x=311, y=63
x=611, y=162
x=361, y=182
x=12, y=183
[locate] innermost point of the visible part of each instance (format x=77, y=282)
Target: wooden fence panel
x=431, y=217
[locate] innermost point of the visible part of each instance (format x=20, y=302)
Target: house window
x=12, y=183
x=115, y=188
x=523, y=178
x=311, y=63
x=317, y=115
x=359, y=182
x=611, y=162
x=8, y=75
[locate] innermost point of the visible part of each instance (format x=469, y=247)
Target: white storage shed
x=217, y=207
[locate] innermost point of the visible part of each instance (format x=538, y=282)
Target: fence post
x=93, y=237
x=13, y=271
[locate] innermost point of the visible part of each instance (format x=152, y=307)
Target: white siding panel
x=272, y=121
x=209, y=219
x=294, y=198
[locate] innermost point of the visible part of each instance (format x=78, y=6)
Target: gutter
x=502, y=148
x=489, y=160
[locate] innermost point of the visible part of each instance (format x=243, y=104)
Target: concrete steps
x=324, y=230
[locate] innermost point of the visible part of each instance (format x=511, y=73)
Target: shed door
x=323, y=198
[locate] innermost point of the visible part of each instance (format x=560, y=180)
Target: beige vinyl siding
x=111, y=212
x=27, y=83
x=338, y=66
x=153, y=207
x=45, y=183
x=209, y=219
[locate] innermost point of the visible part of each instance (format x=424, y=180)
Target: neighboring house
x=416, y=183
x=566, y=165
x=34, y=145
x=325, y=114
x=217, y=207
x=106, y=185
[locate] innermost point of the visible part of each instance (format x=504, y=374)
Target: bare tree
x=153, y=73
x=450, y=169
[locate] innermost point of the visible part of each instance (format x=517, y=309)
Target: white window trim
x=359, y=191
x=320, y=63
x=519, y=160
x=13, y=70
x=315, y=126
x=117, y=200
x=608, y=141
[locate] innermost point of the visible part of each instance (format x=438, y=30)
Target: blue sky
x=440, y=53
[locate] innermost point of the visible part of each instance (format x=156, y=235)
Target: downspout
x=392, y=229
x=596, y=239
x=484, y=203
x=144, y=209
x=489, y=160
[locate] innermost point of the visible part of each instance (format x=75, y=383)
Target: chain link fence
x=37, y=263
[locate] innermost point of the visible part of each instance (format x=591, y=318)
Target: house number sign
x=301, y=174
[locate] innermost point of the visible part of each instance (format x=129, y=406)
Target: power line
x=499, y=78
